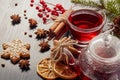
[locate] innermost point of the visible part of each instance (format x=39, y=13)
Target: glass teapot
x=100, y=60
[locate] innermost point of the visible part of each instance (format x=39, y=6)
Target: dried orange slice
x=64, y=71
x=45, y=69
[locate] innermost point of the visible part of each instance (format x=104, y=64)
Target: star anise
x=15, y=19
x=24, y=64
x=44, y=46
x=41, y=33
x=33, y=23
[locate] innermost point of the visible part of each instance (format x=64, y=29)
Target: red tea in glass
x=85, y=24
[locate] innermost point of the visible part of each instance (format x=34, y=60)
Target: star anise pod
x=33, y=23
x=15, y=19
x=44, y=46
x=41, y=33
x=24, y=64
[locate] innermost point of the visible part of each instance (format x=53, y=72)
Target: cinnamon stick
x=62, y=32
x=54, y=26
x=73, y=50
x=59, y=28
x=51, y=34
x=59, y=25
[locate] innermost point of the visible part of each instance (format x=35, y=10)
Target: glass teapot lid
x=105, y=48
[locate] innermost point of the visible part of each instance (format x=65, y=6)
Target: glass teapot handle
x=71, y=59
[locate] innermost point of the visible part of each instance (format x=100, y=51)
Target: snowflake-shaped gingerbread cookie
x=15, y=51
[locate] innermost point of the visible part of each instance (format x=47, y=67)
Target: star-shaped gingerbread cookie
x=15, y=51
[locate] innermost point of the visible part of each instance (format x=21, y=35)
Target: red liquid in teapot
x=85, y=19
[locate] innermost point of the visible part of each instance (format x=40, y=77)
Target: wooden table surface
x=9, y=32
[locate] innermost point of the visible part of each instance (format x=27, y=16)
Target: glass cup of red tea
x=84, y=24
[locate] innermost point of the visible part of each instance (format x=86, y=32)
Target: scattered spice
x=41, y=33
x=24, y=14
x=16, y=4
x=30, y=36
x=33, y=23
x=26, y=17
x=25, y=33
x=3, y=65
x=25, y=11
x=44, y=46
x=15, y=19
x=31, y=5
x=24, y=64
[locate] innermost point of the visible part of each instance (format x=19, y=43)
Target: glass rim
x=91, y=29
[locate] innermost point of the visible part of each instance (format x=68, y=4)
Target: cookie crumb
x=30, y=36
x=16, y=4
x=3, y=65
x=25, y=33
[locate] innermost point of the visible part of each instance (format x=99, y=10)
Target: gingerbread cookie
x=15, y=51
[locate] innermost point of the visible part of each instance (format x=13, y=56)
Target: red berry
x=32, y=1
x=59, y=6
x=62, y=10
x=55, y=8
x=45, y=5
x=44, y=20
x=40, y=15
x=43, y=9
x=54, y=13
x=47, y=15
x=42, y=2
x=37, y=7
x=40, y=10
x=31, y=5
x=48, y=9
